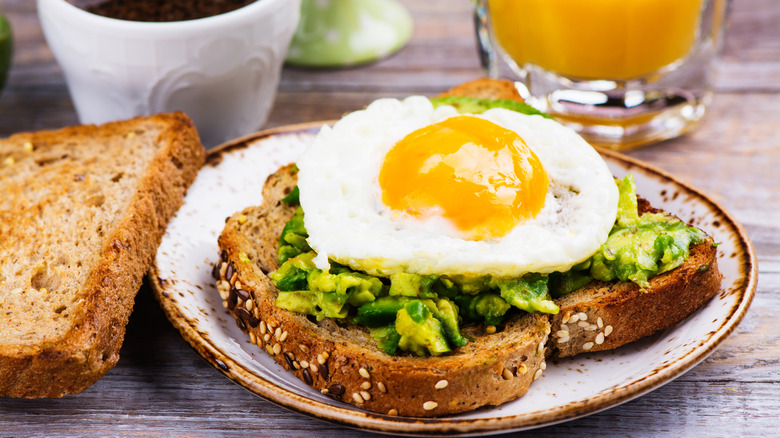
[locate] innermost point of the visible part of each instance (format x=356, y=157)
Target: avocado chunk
x=386, y=337
x=293, y=242
x=412, y=285
x=528, y=293
x=381, y=311
x=420, y=332
x=446, y=312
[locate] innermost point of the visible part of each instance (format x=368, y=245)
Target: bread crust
x=70, y=363
x=344, y=362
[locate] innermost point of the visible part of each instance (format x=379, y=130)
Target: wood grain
x=162, y=387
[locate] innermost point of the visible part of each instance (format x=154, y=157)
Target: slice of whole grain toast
x=82, y=213
x=603, y=316
x=344, y=361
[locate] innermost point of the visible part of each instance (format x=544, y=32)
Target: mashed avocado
x=470, y=105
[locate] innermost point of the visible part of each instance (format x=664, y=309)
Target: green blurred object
x=339, y=33
x=6, y=49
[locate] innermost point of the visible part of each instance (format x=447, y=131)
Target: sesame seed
x=366, y=385
x=600, y=322
x=583, y=316
x=538, y=374
x=257, y=312
x=222, y=269
x=28, y=146
x=262, y=327
x=566, y=317
x=607, y=330
x=324, y=391
x=381, y=387
x=540, y=348
x=249, y=305
x=242, y=219
x=364, y=373
x=358, y=399
x=278, y=333
x=366, y=396
x=131, y=135
x=305, y=364
x=583, y=324
x=506, y=374
x=587, y=345
x=269, y=348
x=296, y=365
x=392, y=412
x=592, y=328
x=522, y=369
x=543, y=366
x=325, y=355
x=9, y=161
x=267, y=337
x=271, y=327
x=574, y=318
x=313, y=368
x=441, y=384
x=599, y=338
x=237, y=284
x=320, y=359
x=490, y=329
x=277, y=348
x=225, y=304
x=430, y=405
x=563, y=339
x=564, y=327
x=562, y=333
x=252, y=338
x=303, y=348
x=283, y=337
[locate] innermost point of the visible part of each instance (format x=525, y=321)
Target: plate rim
x=459, y=426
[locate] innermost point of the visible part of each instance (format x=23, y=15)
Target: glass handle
x=487, y=55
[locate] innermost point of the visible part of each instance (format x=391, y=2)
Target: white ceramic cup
x=222, y=70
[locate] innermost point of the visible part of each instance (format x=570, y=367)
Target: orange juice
x=596, y=39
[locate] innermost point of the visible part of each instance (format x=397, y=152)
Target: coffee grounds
x=168, y=10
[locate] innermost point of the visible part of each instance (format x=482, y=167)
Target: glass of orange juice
x=622, y=73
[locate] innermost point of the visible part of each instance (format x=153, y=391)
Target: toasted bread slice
x=82, y=213
x=486, y=88
x=343, y=361
x=603, y=316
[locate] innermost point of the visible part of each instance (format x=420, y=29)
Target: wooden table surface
x=162, y=387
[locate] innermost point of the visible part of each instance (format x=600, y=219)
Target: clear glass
x=622, y=73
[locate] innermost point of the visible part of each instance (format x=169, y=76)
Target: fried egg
x=402, y=186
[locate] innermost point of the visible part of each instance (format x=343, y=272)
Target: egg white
x=347, y=221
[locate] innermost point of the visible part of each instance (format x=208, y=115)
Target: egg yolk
x=479, y=175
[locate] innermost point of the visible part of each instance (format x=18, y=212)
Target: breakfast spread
x=440, y=248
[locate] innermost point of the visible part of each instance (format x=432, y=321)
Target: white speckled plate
x=568, y=389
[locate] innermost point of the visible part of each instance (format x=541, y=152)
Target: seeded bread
x=343, y=361
x=82, y=213
x=604, y=316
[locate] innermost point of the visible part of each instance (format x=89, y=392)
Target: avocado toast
x=496, y=364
